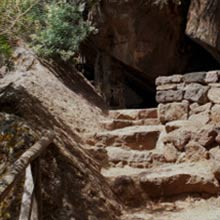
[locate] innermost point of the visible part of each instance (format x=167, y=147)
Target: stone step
x=135, y=137
x=134, y=158
x=113, y=124
x=133, y=114
x=132, y=184
x=175, y=179
x=182, y=209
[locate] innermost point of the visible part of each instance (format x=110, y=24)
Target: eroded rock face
x=140, y=45
x=203, y=24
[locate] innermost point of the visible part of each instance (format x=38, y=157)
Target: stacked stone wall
x=194, y=96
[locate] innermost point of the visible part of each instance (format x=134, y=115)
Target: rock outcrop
x=203, y=24
x=51, y=99
x=141, y=40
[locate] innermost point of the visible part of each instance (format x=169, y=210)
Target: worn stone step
x=134, y=158
x=133, y=114
x=183, y=209
x=112, y=124
x=175, y=179
x=162, y=181
x=135, y=137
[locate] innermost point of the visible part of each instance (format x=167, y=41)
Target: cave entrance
x=125, y=87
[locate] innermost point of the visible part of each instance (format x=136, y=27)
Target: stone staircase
x=139, y=169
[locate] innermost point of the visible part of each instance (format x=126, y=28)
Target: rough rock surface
x=214, y=95
x=113, y=124
x=175, y=179
x=196, y=93
x=133, y=114
x=50, y=100
x=172, y=111
x=203, y=23
x=133, y=42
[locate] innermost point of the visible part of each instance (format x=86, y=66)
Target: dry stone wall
x=193, y=96
x=189, y=109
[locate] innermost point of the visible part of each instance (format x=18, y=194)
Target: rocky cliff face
x=203, y=25
x=149, y=38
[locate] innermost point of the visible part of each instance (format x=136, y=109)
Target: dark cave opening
x=139, y=88
x=199, y=58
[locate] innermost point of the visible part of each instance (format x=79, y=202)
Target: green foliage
x=5, y=50
x=64, y=30
x=54, y=28
x=5, y=47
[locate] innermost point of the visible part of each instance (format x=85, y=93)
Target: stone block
x=215, y=114
x=203, y=117
x=212, y=76
x=195, y=108
x=195, y=152
x=169, y=96
x=179, y=138
x=170, y=153
x=179, y=86
x=162, y=80
x=214, y=95
x=196, y=77
x=173, y=111
x=175, y=179
x=196, y=93
x=206, y=136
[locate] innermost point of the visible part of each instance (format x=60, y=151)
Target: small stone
x=173, y=111
x=215, y=114
x=196, y=93
x=195, y=152
x=187, y=124
x=169, y=96
x=216, y=85
x=170, y=87
x=206, y=137
x=170, y=153
x=212, y=77
x=162, y=80
x=202, y=117
x=215, y=153
x=179, y=138
x=167, y=87
x=196, y=77
x=214, y=95
x=217, y=138
x=195, y=108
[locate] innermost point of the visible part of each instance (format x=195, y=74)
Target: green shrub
x=5, y=50
x=64, y=30
x=54, y=28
